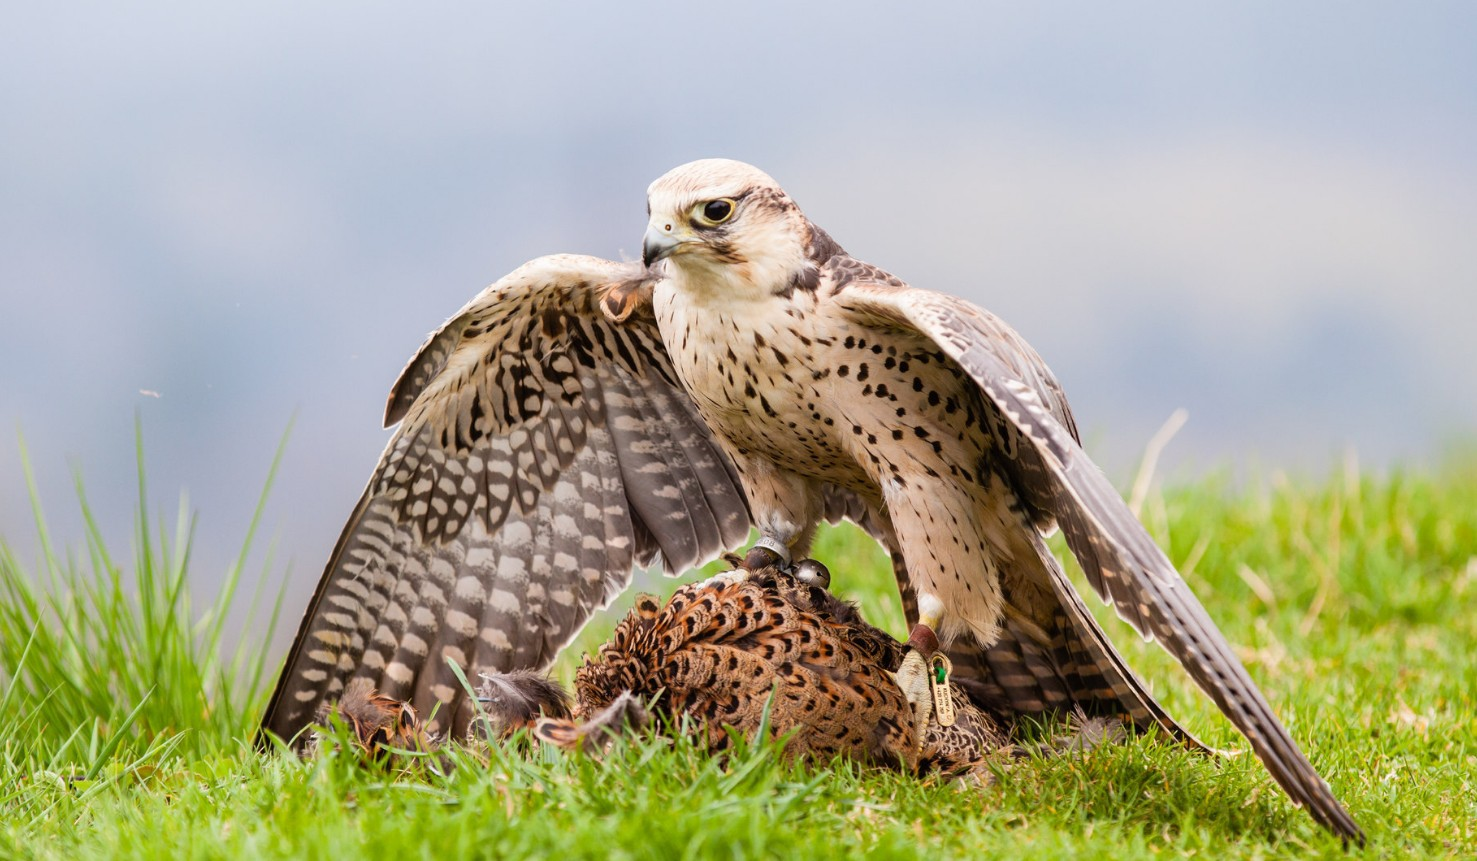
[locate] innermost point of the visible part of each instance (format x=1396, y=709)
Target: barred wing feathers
x=543, y=451
x=1122, y=563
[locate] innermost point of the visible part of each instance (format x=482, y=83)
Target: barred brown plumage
x=582, y=416
x=737, y=655
x=768, y=652
x=543, y=453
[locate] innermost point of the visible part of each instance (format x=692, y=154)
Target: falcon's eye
x=715, y=212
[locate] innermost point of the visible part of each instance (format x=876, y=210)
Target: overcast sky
x=220, y=216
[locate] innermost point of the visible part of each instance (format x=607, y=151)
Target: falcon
x=581, y=417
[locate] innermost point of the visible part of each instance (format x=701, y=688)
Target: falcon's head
x=729, y=229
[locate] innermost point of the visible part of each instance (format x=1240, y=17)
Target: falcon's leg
x=954, y=550
x=950, y=551
x=786, y=509
x=930, y=616
x=912, y=676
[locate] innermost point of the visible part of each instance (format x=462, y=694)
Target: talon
x=912, y=678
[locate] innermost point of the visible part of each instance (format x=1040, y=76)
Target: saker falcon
x=581, y=417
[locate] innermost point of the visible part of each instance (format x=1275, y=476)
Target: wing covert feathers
x=1121, y=561
x=543, y=451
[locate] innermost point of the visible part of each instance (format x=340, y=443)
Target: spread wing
x=544, y=450
x=1123, y=564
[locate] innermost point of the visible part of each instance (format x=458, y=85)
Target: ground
x=125, y=721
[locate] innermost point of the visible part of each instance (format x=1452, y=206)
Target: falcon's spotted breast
x=580, y=417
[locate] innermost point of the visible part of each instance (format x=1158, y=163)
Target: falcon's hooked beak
x=659, y=243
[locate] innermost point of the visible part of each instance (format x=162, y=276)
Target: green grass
x=125, y=722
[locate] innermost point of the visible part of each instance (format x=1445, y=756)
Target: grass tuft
x=106, y=660
x=125, y=720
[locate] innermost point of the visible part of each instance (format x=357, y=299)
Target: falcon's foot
x=912, y=677
x=915, y=676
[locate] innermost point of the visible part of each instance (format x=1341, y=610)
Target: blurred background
x=223, y=217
